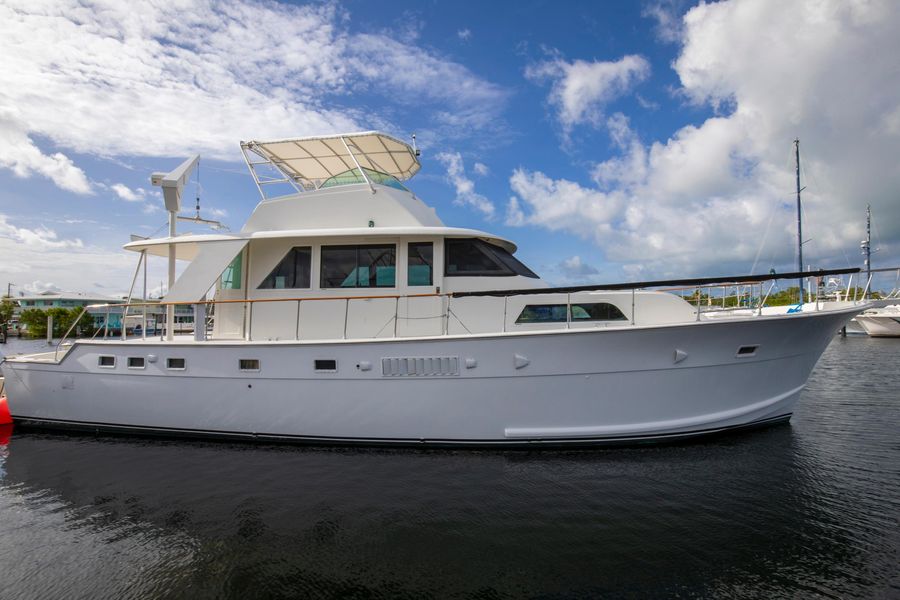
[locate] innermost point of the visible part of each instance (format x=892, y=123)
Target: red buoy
x=5, y=417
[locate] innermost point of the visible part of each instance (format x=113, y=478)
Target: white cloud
x=142, y=79
x=574, y=267
x=668, y=17
x=710, y=196
x=464, y=34
x=39, y=238
x=19, y=154
x=465, y=187
x=126, y=193
x=581, y=90
x=35, y=257
x=39, y=287
x=481, y=169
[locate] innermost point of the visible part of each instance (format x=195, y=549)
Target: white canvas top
x=315, y=159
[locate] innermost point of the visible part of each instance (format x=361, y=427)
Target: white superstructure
x=346, y=311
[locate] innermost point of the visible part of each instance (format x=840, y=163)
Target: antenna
x=415, y=148
x=799, y=220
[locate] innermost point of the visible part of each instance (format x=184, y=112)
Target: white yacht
x=347, y=312
x=881, y=322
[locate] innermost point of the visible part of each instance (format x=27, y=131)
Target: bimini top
x=311, y=163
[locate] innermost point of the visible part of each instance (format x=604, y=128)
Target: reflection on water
x=804, y=509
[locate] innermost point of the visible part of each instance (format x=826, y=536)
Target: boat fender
x=521, y=361
x=5, y=416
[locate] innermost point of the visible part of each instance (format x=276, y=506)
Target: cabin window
x=176, y=364
x=358, y=266
x=292, y=272
x=597, y=311
x=582, y=312
x=106, y=361
x=231, y=276
x=135, y=362
x=420, y=258
x=477, y=258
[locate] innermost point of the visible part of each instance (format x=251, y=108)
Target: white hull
x=881, y=325
x=557, y=387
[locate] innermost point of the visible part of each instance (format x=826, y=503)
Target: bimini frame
x=306, y=163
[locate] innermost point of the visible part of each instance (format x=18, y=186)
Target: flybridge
x=313, y=163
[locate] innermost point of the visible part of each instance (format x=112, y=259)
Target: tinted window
x=249, y=364
x=358, y=266
x=543, y=313
x=418, y=271
x=556, y=313
x=292, y=272
x=175, y=363
x=135, y=362
x=231, y=276
x=599, y=311
x=477, y=258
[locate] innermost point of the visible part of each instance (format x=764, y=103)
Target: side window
x=359, y=266
x=292, y=272
x=543, y=313
x=420, y=259
x=556, y=313
x=231, y=276
x=600, y=311
x=477, y=258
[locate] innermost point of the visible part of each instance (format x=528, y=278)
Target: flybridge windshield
x=354, y=176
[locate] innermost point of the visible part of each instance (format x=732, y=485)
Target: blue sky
x=612, y=141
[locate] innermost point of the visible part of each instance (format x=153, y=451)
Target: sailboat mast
x=799, y=220
x=867, y=246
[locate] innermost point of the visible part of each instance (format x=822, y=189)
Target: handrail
x=731, y=279
x=71, y=327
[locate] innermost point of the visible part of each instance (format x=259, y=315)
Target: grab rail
x=248, y=303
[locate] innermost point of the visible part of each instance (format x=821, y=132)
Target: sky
x=612, y=141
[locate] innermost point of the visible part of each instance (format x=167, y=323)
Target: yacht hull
x=880, y=325
x=554, y=387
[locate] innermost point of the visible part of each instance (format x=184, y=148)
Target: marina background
x=808, y=509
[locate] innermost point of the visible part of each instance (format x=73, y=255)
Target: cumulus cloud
x=668, y=16
x=69, y=263
x=19, y=154
x=40, y=238
x=580, y=90
x=575, y=267
x=481, y=169
x=710, y=195
x=126, y=193
x=141, y=79
x=465, y=187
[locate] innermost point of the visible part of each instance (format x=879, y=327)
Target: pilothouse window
x=420, y=257
x=292, y=272
x=359, y=266
x=472, y=257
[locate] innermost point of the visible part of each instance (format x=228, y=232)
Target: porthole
x=107, y=362
x=746, y=351
x=136, y=362
x=175, y=364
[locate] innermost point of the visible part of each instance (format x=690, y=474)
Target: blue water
x=807, y=509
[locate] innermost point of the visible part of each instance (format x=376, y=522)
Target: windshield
x=354, y=176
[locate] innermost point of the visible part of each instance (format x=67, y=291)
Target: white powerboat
x=881, y=322
x=347, y=312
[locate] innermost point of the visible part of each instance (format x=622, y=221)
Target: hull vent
x=420, y=366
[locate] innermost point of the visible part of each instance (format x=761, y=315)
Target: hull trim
x=522, y=443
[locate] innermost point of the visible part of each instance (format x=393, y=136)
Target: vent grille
x=420, y=366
